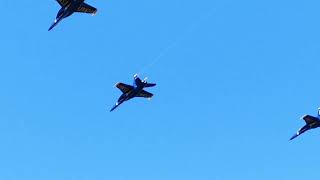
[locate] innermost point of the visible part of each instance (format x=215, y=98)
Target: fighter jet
x=136, y=90
x=311, y=123
x=68, y=7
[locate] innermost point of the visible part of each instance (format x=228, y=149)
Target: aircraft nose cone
x=50, y=28
x=294, y=136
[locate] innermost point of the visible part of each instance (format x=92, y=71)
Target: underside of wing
x=145, y=94
x=63, y=3
x=124, y=88
x=85, y=8
x=309, y=119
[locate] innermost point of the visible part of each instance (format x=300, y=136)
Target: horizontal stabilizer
x=149, y=85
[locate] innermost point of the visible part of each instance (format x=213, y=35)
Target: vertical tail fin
x=319, y=112
x=144, y=83
x=137, y=80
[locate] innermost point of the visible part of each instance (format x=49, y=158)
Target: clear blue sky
x=234, y=77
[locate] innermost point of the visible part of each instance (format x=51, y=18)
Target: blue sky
x=233, y=78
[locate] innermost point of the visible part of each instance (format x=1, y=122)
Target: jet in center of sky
x=129, y=92
x=68, y=7
x=311, y=123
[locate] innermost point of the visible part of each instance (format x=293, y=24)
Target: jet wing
x=63, y=3
x=85, y=8
x=309, y=119
x=124, y=88
x=145, y=94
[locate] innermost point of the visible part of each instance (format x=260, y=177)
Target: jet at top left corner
x=68, y=7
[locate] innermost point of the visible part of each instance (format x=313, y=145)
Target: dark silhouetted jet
x=68, y=7
x=136, y=90
x=311, y=123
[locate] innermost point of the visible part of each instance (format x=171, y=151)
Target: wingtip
x=94, y=13
x=115, y=85
x=302, y=117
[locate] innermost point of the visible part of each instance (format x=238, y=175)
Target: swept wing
x=124, y=88
x=63, y=3
x=309, y=119
x=85, y=8
x=145, y=94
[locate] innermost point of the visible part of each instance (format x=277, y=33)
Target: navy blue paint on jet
x=311, y=123
x=68, y=7
x=129, y=92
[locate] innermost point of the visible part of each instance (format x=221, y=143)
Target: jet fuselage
x=312, y=125
x=131, y=94
x=67, y=11
x=137, y=90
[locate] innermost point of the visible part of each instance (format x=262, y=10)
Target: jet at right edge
x=68, y=7
x=311, y=123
